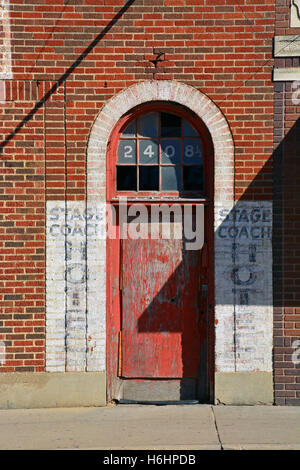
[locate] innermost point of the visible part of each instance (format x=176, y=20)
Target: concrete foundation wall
x=244, y=388
x=52, y=390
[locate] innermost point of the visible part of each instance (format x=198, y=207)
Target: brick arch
x=210, y=114
x=163, y=90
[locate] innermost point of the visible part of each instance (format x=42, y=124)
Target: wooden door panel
x=160, y=336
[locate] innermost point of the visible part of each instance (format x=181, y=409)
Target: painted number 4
x=149, y=151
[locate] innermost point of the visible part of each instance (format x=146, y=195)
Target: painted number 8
x=189, y=151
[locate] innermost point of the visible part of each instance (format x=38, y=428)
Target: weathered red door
x=160, y=309
x=158, y=291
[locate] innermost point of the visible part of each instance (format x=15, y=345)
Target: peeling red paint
x=160, y=336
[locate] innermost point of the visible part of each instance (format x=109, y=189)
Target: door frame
x=113, y=306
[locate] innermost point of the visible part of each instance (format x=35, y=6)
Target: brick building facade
x=70, y=71
x=286, y=203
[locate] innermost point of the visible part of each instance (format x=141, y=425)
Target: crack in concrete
x=216, y=427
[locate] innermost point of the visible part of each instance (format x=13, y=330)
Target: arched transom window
x=159, y=152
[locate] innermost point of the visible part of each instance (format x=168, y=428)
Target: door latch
x=204, y=291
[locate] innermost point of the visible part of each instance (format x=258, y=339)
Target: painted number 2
x=127, y=151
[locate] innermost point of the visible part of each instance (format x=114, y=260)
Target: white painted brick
x=294, y=14
x=55, y=284
x=244, y=277
x=66, y=313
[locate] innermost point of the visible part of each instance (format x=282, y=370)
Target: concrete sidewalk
x=178, y=427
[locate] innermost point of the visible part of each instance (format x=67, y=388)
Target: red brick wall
x=22, y=199
x=221, y=47
x=286, y=227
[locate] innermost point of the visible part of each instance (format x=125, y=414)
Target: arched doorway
x=215, y=127
x=160, y=157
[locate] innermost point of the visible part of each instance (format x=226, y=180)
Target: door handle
x=204, y=291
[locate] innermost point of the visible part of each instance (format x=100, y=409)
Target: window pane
x=171, y=151
x=126, y=178
x=168, y=151
x=170, y=125
x=148, y=125
x=130, y=130
x=193, y=178
x=127, y=151
x=192, y=151
x=170, y=178
x=148, y=178
x=188, y=130
x=148, y=152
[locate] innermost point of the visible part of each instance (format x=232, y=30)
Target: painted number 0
x=170, y=151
